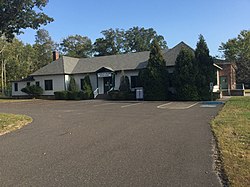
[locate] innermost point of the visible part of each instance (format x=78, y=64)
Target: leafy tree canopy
x=119, y=41
x=44, y=45
x=76, y=46
x=238, y=50
x=21, y=14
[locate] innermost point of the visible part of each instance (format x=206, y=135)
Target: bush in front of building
x=87, y=88
x=33, y=90
x=119, y=95
x=62, y=95
x=72, y=95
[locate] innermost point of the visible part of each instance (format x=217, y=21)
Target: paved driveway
x=101, y=143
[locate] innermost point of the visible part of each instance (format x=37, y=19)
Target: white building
x=105, y=72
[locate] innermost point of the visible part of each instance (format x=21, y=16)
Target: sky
x=176, y=20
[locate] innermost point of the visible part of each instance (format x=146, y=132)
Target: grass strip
x=11, y=122
x=232, y=130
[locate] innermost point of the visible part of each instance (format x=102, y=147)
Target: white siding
x=20, y=86
x=92, y=78
x=58, y=83
x=57, y=80
x=126, y=73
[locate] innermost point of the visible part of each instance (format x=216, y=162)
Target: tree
x=124, y=83
x=21, y=14
x=44, y=46
x=139, y=39
x=185, y=76
x=154, y=78
x=16, y=61
x=119, y=41
x=206, y=71
x=110, y=44
x=72, y=85
x=76, y=46
x=87, y=88
x=238, y=50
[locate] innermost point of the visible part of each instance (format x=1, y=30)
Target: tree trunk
x=2, y=85
x=4, y=73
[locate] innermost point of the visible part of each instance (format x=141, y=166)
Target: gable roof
x=130, y=61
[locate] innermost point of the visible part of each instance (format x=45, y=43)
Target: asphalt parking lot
x=102, y=143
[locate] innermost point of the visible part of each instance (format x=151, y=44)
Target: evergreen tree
x=185, y=75
x=206, y=71
x=72, y=85
x=87, y=88
x=124, y=83
x=154, y=78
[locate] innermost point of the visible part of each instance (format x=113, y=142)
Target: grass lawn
x=232, y=129
x=3, y=100
x=10, y=122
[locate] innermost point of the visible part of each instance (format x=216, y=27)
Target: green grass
x=3, y=100
x=11, y=122
x=232, y=130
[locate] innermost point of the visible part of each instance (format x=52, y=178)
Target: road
x=102, y=143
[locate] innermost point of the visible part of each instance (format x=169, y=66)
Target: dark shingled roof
x=130, y=61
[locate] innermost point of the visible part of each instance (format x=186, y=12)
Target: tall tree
x=206, y=71
x=76, y=46
x=119, y=41
x=185, y=76
x=154, y=78
x=21, y=14
x=16, y=60
x=139, y=39
x=43, y=47
x=238, y=50
x=110, y=44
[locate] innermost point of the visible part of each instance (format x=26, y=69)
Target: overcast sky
x=176, y=20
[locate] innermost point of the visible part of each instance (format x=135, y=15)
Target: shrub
x=124, y=83
x=87, y=88
x=73, y=95
x=33, y=90
x=62, y=95
x=119, y=95
x=72, y=85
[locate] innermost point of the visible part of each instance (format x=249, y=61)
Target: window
x=16, y=87
x=82, y=83
x=135, y=81
x=37, y=83
x=48, y=84
x=28, y=83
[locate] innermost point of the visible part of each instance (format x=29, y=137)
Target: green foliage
x=73, y=87
x=139, y=39
x=43, y=48
x=111, y=44
x=119, y=41
x=154, y=78
x=124, y=83
x=120, y=95
x=61, y=95
x=76, y=46
x=185, y=76
x=206, y=71
x=238, y=50
x=87, y=88
x=33, y=90
x=22, y=14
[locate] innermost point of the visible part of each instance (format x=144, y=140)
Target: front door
x=223, y=82
x=107, y=81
